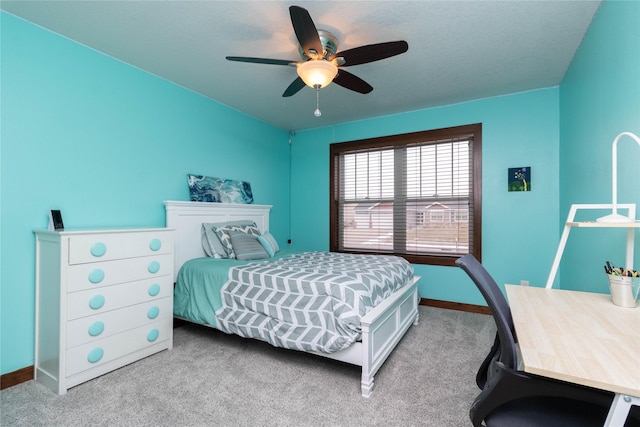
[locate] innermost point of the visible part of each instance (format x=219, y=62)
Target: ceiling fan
x=321, y=64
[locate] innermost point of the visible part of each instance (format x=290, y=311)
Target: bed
x=380, y=329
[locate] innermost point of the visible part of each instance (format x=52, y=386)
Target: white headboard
x=186, y=219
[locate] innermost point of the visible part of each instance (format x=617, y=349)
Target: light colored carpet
x=214, y=379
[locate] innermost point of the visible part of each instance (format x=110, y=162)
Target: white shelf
x=594, y=224
x=630, y=226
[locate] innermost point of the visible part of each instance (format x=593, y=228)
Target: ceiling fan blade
x=351, y=82
x=371, y=52
x=294, y=87
x=306, y=31
x=261, y=60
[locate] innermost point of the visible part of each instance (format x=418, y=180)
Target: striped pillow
x=269, y=243
x=246, y=246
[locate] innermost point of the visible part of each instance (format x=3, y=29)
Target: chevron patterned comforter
x=310, y=301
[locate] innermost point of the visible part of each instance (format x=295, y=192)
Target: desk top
x=580, y=337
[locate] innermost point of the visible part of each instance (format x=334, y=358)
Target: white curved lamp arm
x=615, y=217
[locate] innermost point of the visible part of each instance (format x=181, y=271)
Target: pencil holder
x=624, y=290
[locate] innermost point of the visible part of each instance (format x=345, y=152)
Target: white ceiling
x=458, y=50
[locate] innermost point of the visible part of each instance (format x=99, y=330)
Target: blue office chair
x=513, y=398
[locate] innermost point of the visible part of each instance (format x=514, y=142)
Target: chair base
x=547, y=411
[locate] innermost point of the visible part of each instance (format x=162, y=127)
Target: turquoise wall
x=599, y=99
x=106, y=143
x=519, y=230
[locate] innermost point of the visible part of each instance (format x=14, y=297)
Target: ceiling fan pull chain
x=317, y=113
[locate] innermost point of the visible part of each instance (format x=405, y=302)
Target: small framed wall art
x=519, y=179
x=55, y=220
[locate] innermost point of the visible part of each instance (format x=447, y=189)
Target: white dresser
x=104, y=299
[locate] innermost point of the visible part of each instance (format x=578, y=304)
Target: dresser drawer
x=110, y=246
x=97, y=274
x=99, y=326
x=93, y=354
x=107, y=298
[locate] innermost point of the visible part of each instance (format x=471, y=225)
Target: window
x=417, y=195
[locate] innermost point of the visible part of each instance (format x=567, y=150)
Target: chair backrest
x=499, y=307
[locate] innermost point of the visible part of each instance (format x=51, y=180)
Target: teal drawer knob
x=153, y=312
x=96, y=302
x=154, y=266
x=98, y=249
x=154, y=290
x=153, y=335
x=95, y=355
x=155, y=245
x=96, y=329
x=96, y=276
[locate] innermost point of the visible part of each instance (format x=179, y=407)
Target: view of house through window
x=416, y=195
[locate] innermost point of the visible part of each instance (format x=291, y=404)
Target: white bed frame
x=382, y=328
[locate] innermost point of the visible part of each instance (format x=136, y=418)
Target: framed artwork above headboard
x=186, y=219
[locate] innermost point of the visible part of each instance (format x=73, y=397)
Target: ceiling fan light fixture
x=317, y=72
x=320, y=58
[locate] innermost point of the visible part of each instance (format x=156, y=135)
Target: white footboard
x=382, y=329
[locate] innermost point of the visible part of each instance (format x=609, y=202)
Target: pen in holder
x=624, y=290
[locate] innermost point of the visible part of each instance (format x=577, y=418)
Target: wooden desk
x=582, y=338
